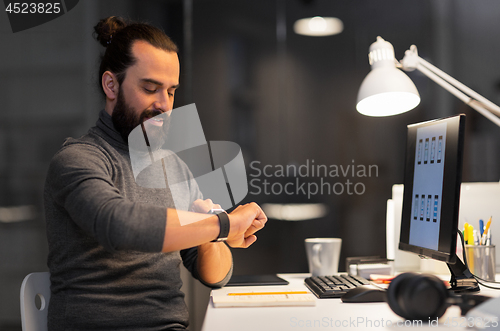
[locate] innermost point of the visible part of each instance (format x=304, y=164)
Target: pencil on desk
x=270, y=293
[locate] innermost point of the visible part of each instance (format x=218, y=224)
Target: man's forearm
x=202, y=228
x=214, y=259
x=214, y=262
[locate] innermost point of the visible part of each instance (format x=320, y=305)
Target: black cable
x=485, y=280
x=488, y=286
x=463, y=248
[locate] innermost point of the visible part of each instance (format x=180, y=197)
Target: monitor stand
x=462, y=280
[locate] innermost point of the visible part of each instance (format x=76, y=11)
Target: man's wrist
x=224, y=226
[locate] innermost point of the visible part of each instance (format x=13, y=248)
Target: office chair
x=35, y=297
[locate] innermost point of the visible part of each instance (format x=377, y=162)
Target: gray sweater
x=105, y=234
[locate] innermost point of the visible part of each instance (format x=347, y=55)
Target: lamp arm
x=473, y=94
x=475, y=104
x=485, y=112
x=476, y=101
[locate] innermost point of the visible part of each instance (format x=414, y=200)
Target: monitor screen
x=432, y=178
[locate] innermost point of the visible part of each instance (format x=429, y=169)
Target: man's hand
x=204, y=206
x=245, y=220
x=215, y=259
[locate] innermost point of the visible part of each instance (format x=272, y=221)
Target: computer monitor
x=432, y=178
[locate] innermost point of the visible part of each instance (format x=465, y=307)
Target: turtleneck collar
x=105, y=124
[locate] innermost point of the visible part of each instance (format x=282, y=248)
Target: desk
x=328, y=314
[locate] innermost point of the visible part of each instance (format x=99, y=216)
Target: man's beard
x=125, y=119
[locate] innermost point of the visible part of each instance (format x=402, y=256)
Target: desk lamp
x=387, y=91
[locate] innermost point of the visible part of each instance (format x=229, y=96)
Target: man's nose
x=163, y=104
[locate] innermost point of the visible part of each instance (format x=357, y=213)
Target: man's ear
x=110, y=85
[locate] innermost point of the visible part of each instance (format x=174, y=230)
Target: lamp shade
x=386, y=90
x=318, y=26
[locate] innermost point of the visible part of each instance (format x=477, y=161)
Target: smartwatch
x=223, y=224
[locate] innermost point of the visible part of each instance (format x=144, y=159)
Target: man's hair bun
x=118, y=35
x=106, y=28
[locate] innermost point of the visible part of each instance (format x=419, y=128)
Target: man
x=115, y=247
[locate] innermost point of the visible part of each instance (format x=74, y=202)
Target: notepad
x=262, y=298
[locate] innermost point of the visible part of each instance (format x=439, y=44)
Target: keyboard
x=333, y=286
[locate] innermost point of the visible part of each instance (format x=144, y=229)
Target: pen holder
x=481, y=261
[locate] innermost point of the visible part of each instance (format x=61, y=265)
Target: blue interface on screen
x=428, y=186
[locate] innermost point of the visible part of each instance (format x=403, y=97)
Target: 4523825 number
x=33, y=8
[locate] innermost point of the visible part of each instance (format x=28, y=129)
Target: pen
x=466, y=233
x=485, y=233
x=269, y=293
x=471, y=235
x=477, y=238
x=481, y=227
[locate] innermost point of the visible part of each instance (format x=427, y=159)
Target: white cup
x=323, y=255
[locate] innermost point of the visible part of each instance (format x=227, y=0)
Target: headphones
x=425, y=297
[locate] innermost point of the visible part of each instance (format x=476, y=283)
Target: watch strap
x=224, y=227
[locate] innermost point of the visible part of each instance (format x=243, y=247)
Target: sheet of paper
x=235, y=297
